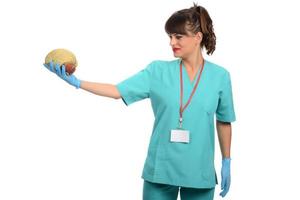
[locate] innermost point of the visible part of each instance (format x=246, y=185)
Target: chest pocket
x=207, y=101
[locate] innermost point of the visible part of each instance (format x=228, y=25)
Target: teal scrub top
x=181, y=164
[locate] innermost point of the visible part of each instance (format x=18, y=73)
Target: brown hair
x=195, y=19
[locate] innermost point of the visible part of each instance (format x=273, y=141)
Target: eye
x=178, y=37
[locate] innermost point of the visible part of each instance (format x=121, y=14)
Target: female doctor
x=186, y=94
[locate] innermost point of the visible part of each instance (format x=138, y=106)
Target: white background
x=60, y=143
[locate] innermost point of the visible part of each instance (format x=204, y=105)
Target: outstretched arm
x=101, y=89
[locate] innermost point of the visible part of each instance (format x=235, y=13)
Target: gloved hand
x=61, y=72
x=225, y=174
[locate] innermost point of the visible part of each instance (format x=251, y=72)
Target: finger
x=225, y=190
x=222, y=194
x=58, y=70
x=222, y=183
x=225, y=186
x=63, y=71
x=51, y=66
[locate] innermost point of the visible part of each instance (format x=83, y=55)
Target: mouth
x=176, y=49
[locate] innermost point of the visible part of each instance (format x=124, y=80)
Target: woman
x=185, y=95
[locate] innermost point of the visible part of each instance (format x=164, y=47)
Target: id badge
x=180, y=135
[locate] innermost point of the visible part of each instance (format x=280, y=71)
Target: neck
x=193, y=62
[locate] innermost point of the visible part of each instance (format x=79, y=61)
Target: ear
x=199, y=37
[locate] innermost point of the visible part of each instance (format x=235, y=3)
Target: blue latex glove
x=61, y=72
x=225, y=174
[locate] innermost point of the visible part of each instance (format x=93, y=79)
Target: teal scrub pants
x=157, y=191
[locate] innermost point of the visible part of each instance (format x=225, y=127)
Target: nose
x=172, y=41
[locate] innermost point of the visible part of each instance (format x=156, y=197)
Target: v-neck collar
x=186, y=75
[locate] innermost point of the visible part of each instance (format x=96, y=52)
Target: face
x=185, y=45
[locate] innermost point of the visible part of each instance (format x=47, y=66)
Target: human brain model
x=63, y=57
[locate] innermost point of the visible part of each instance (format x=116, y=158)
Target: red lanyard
x=181, y=93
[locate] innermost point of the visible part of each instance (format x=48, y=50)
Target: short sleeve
x=137, y=86
x=225, y=110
